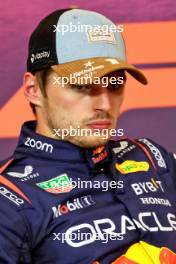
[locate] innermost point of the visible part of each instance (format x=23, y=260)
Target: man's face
x=90, y=110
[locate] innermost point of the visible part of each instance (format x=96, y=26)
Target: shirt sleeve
x=14, y=246
x=164, y=160
x=172, y=157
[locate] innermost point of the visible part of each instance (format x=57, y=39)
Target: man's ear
x=32, y=91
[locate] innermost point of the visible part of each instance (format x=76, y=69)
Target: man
x=83, y=198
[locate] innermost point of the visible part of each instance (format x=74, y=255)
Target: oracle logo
x=84, y=234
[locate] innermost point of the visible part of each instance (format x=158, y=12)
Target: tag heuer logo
x=59, y=184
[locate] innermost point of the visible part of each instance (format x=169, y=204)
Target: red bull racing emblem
x=99, y=154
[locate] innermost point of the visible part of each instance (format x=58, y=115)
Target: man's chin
x=90, y=141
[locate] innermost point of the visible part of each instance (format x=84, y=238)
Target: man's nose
x=103, y=101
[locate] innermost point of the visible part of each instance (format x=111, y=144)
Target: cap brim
x=84, y=72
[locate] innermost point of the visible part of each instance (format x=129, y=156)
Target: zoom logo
x=32, y=143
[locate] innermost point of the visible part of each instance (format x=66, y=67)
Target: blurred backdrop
x=150, y=34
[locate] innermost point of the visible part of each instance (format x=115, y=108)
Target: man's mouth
x=99, y=124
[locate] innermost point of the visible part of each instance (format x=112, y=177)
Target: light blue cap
x=81, y=43
x=82, y=35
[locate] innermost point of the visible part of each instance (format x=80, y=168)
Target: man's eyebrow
x=76, y=85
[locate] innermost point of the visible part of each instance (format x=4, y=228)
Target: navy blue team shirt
x=49, y=215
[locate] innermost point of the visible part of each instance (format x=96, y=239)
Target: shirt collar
x=33, y=144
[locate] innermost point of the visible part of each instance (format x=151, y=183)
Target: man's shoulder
x=10, y=193
x=128, y=148
x=4, y=161
x=136, y=143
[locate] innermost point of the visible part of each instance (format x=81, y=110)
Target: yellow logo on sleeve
x=130, y=166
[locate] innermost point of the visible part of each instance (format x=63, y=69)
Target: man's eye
x=82, y=88
x=115, y=87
